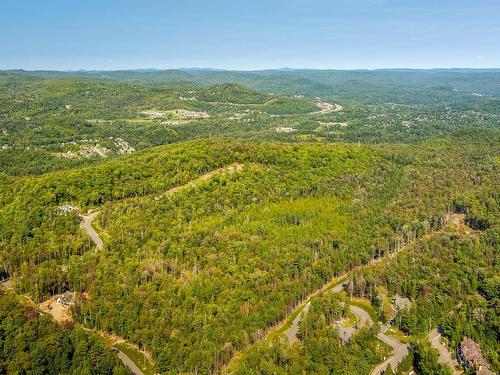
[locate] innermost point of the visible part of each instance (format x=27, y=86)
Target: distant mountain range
x=284, y=69
x=309, y=82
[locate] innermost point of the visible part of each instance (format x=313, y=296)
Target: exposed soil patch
x=59, y=311
x=325, y=107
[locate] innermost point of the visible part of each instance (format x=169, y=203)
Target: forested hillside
x=310, y=82
x=247, y=222
x=197, y=268
x=451, y=281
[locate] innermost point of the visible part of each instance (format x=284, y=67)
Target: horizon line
x=214, y=69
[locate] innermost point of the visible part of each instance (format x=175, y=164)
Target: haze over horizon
x=368, y=34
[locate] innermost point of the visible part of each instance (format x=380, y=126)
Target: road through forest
x=444, y=354
x=86, y=225
x=400, y=350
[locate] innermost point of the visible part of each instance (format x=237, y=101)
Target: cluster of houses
x=154, y=114
x=282, y=129
x=191, y=114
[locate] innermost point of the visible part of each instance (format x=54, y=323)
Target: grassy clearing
x=350, y=320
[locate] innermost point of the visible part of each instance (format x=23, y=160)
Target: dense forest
x=30, y=343
x=222, y=210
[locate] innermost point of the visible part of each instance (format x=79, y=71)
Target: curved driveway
x=86, y=225
x=444, y=354
x=400, y=350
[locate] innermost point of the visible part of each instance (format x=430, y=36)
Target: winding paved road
x=86, y=225
x=444, y=354
x=291, y=332
x=129, y=363
x=400, y=350
x=362, y=316
x=337, y=288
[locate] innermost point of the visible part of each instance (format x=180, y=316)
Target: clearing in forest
x=57, y=308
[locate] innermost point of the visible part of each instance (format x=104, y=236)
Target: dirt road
x=60, y=313
x=444, y=354
x=86, y=225
x=233, y=168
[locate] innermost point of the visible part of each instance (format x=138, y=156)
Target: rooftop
x=472, y=352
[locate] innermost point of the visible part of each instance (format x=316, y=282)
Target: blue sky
x=250, y=34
